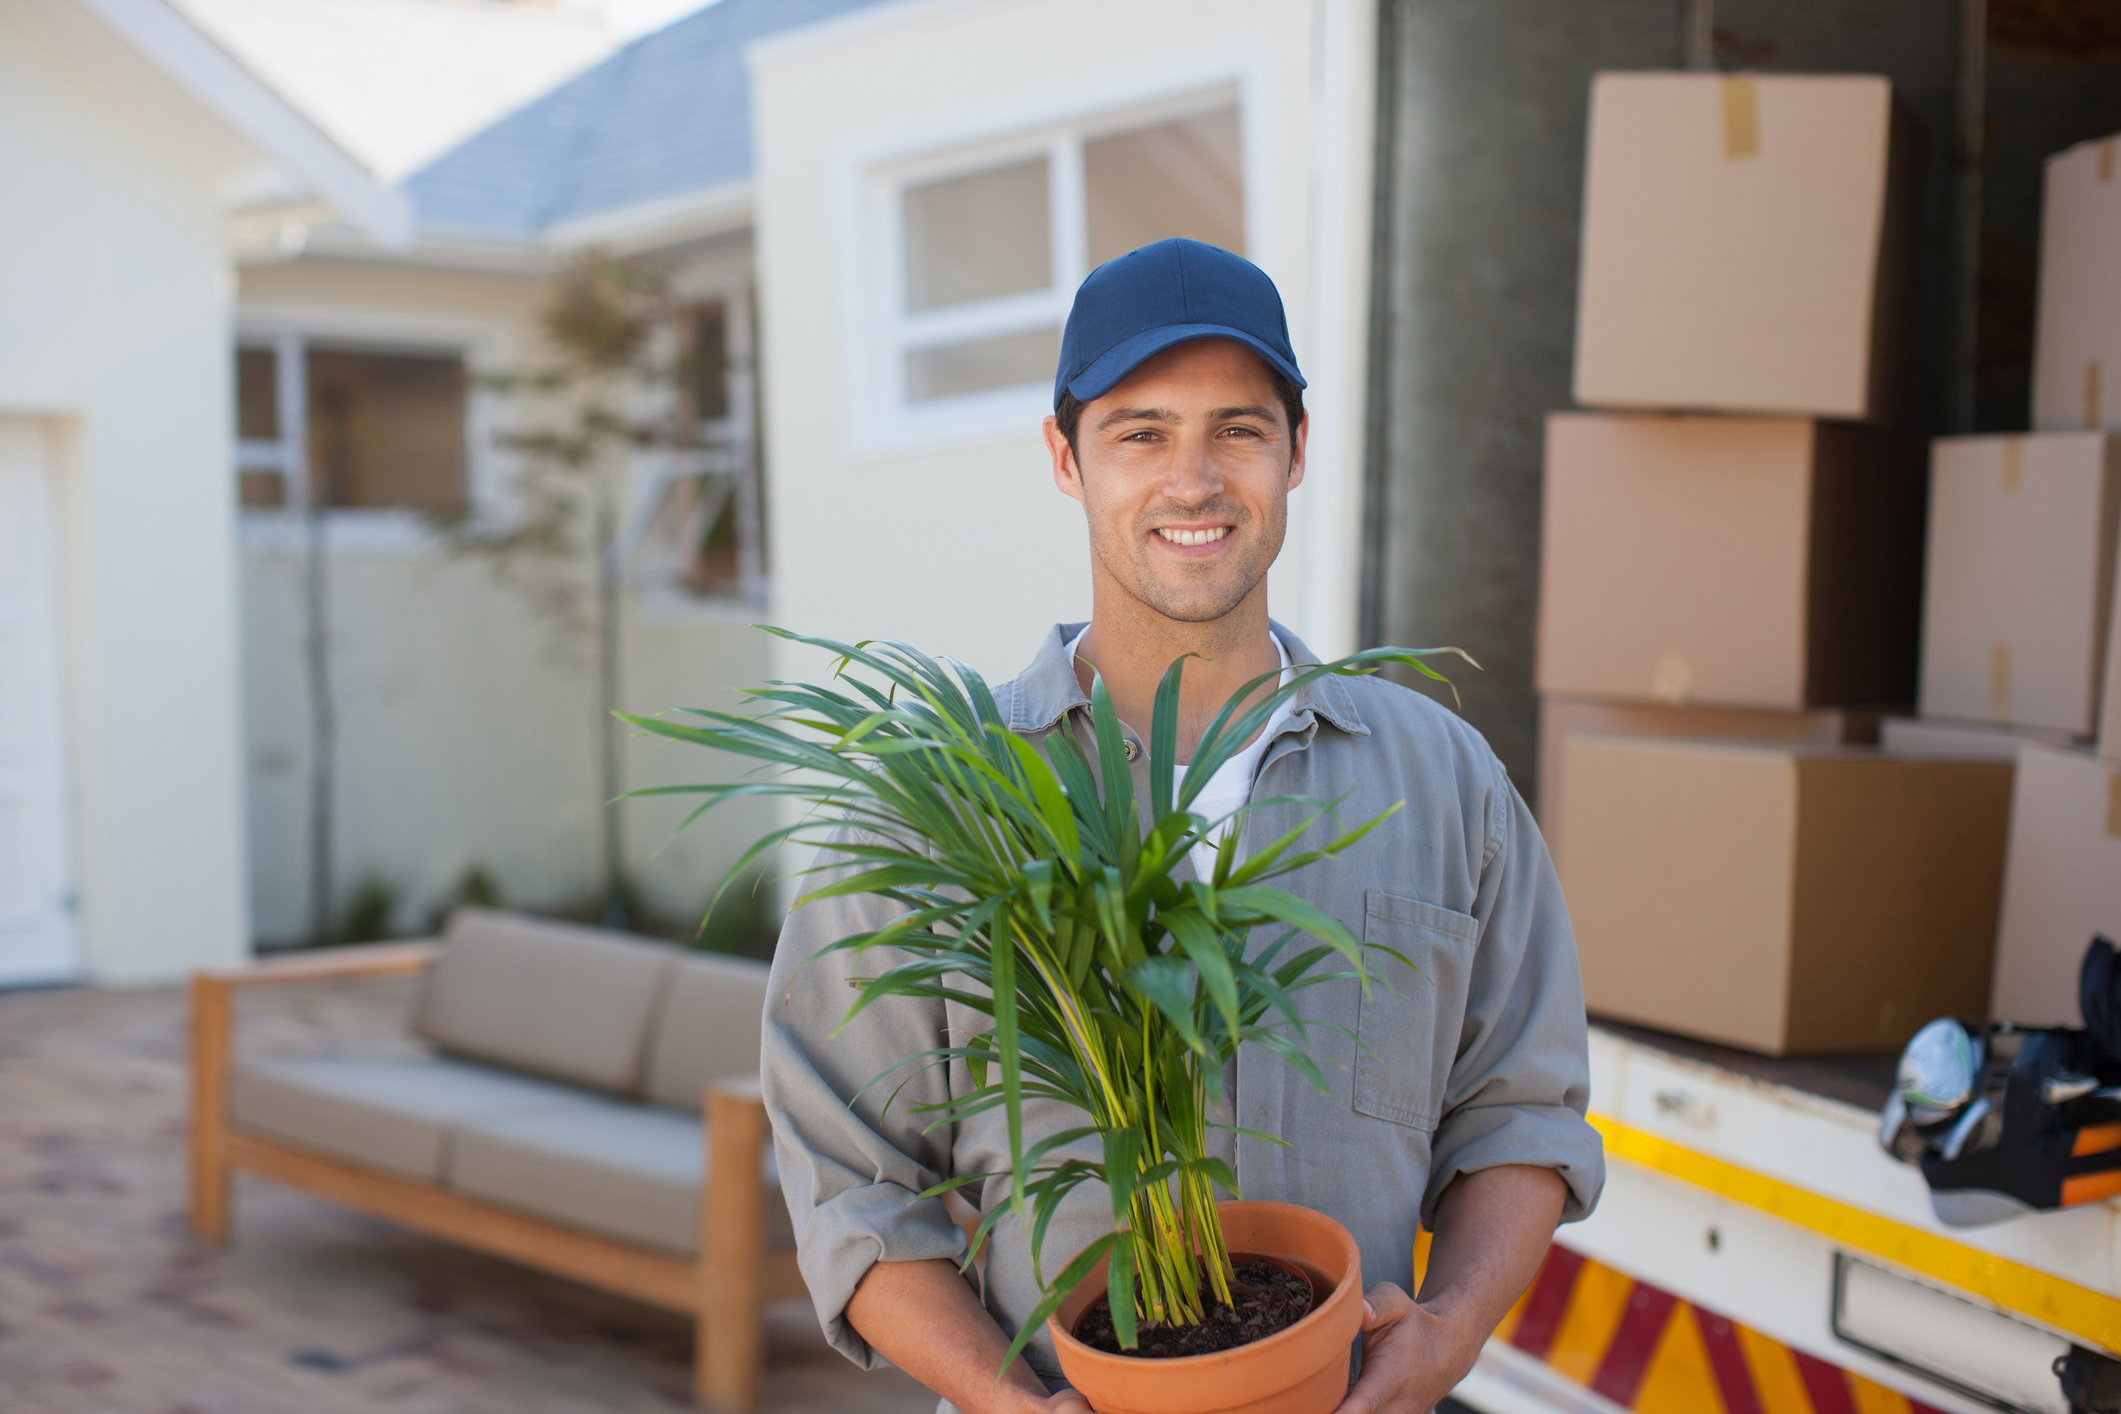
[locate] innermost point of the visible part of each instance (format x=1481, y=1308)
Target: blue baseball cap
x=1135, y=307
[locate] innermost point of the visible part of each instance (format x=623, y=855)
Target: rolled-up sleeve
x=1520, y=1083
x=852, y=1154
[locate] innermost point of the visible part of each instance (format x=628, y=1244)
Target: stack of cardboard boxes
x=1732, y=582
x=2019, y=657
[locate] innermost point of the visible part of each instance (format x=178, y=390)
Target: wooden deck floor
x=107, y=1307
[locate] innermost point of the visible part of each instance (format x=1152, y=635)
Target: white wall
x=464, y=738
x=466, y=727
x=965, y=547
x=114, y=323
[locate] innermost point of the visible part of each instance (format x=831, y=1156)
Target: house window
x=708, y=360
x=1174, y=179
x=258, y=425
x=979, y=236
x=386, y=430
x=990, y=246
x=698, y=523
x=349, y=428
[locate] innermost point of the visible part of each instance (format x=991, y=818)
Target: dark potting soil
x=1264, y=1299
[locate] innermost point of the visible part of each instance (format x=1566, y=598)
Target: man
x=1179, y=426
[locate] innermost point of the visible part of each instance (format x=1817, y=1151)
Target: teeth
x=1195, y=537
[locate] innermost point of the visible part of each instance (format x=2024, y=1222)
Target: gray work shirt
x=1476, y=1061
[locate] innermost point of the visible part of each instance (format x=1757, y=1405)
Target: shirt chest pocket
x=1410, y=1029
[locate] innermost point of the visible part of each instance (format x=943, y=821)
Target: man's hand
x=1492, y=1231
x=1411, y=1357
x=925, y=1318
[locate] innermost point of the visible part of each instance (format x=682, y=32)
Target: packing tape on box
x=2013, y=463
x=2106, y=160
x=2113, y=805
x=1999, y=684
x=1741, y=117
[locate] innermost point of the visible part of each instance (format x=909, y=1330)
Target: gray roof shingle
x=668, y=114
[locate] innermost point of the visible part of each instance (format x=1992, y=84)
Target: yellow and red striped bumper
x=1646, y=1350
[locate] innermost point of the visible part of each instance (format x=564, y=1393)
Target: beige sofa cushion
x=554, y=999
x=630, y=1172
x=707, y=1027
x=391, y=1115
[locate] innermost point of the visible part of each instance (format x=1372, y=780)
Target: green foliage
x=601, y=395
x=477, y=888
x=370, y=910
x=605, y=311
x=741, y=919
x=1032, y=894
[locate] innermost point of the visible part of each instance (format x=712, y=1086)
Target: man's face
x=1184, y=473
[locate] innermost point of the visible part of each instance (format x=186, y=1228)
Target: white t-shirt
x=1231, y=786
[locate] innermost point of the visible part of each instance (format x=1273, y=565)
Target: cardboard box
x=2077, y=333
x=2020, y=578
x=1744, y=244
x=1563, y=717
x=1782, y=899
x=1771, y=563
x=1966, y=741
x=2063, y=882
x=2109, y=736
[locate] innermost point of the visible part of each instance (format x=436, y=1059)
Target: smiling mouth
x=1193, y=537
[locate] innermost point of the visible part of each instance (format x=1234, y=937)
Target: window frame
x=880, y=332
x=375, y=529
x=732, y=450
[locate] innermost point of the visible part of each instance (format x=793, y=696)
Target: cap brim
x=1102, y=376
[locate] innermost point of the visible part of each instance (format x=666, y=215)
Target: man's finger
x=1385, y=1304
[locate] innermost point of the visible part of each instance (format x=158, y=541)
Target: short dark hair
x=1069, y=415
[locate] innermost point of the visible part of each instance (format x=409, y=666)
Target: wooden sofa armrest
x=213, y=996
x=331, y=965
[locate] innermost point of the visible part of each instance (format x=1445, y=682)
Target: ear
x=1297, y=439
x=1066, y=474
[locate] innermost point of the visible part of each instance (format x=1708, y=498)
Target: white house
x=873, y=216
x=934, y=180
x=466, y=727
x=130, y=147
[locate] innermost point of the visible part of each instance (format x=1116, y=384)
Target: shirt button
x=1132, y=750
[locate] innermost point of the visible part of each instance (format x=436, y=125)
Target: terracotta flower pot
x=1301, y=1370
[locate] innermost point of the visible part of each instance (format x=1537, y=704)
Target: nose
x=1192, y=476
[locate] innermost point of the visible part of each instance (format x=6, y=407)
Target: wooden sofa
x=590, y=1108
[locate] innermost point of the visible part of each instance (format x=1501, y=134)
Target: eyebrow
x=1118, y=415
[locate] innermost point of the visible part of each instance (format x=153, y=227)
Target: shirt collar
x=1047, y=690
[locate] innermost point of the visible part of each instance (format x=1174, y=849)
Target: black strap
x=2099, y=998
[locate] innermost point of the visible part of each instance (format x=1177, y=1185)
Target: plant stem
x=320, y=492
x=607, y=814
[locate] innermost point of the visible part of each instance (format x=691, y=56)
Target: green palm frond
x=1031, y=894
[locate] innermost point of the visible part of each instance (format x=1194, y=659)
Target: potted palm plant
x=1037, y=892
